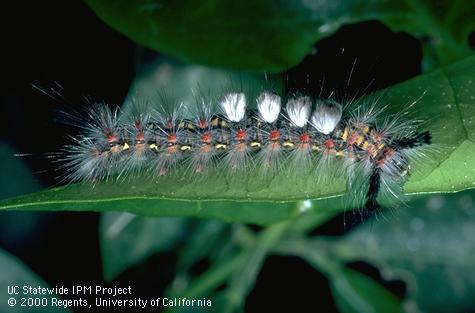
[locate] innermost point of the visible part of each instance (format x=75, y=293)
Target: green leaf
x=238, y=270
x=127, y=239
x=108, y=198
x=444, y=98
x=218, y=274
x=243, y=279
x=274, y=35
x=353, y=292
x=448, y=107
x=430, y=246
x=14, y=273
x=357, y=293
x=204, y=239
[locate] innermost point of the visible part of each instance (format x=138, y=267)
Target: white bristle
x=268, y=105
x=326, y=116
x=299, y=110
x=234, y=106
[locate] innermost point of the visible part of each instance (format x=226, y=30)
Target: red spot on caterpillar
x=329, y=144
x=304, y=138
x=138, y=125
x=171, y=138
x=388, y=153
x=240, y=135
x=206, y=137
x=274, y=135
x=111, y=138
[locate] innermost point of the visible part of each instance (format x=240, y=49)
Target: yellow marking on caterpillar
x=365, y=145
x=315, y=148
x=344, y=136
x=126, y=146
x=185, y=148
x=288, y=144
x=380, y=146
x=359, y=140
x=153, y=146
x=220, y=146
x=339, y=153
x=223, y=123
x=365, y=130
x=215, y=122
x=255, y=144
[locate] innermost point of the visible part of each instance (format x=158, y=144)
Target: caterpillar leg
x=391, y=169
x=371, y=203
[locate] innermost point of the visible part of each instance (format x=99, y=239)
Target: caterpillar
x=301, y=135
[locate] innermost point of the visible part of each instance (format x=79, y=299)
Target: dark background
x=47, y=42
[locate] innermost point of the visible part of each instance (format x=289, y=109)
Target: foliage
x=429, y=245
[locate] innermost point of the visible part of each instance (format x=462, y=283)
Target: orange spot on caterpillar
x=172, y=150
x=116, y=149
